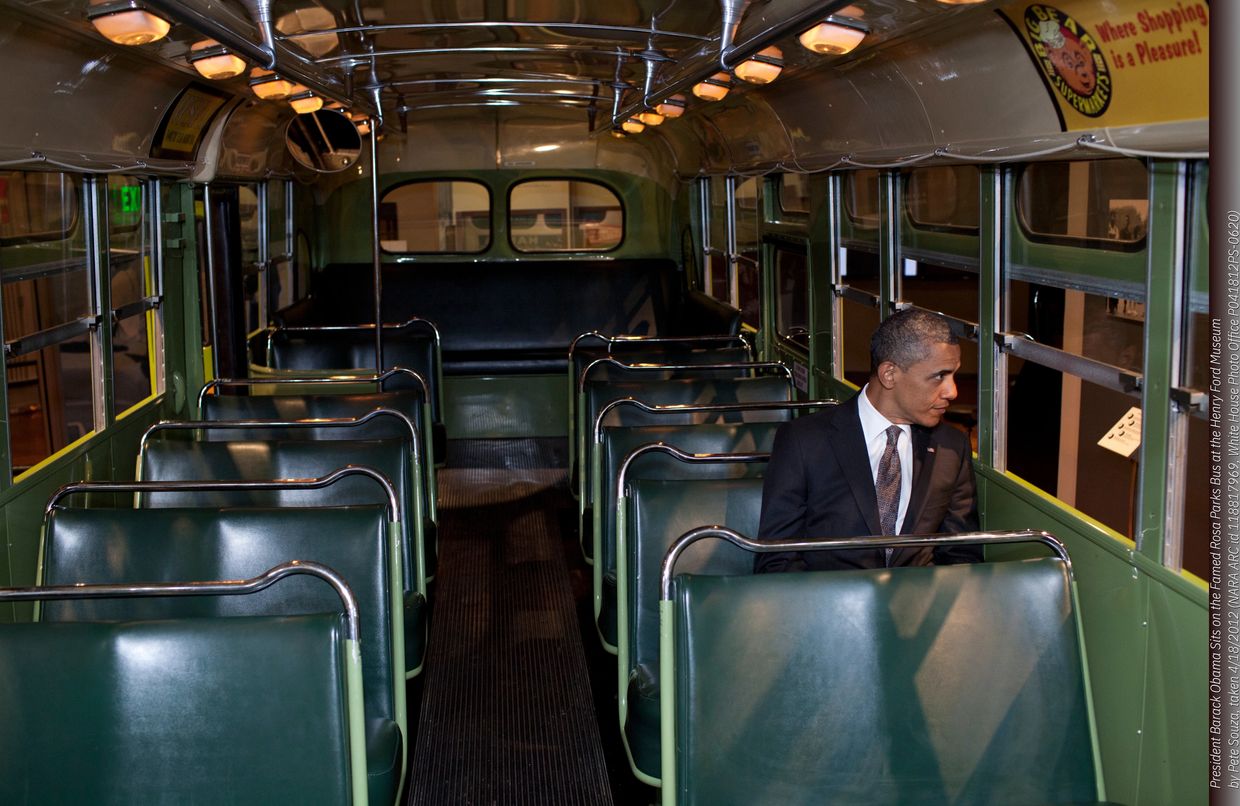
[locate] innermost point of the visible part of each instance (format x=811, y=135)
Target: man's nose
x=949, y=388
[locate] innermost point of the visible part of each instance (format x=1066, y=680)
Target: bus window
x=719, y=284
x=1195, y=376
x=435, y=216
x=1102, y=203
x=792, y=295
x=943, y=197
x=129, y=260
x=1109, y=329
x=47, y=309
x=794, y=193
x=748, y=273
x=563, y=215
x=280, y=276
x=861, y=197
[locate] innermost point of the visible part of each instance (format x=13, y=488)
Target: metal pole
x=208, y=225
x=374, y=241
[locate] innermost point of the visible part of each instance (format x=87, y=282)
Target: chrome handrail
x=645, y=367
x=226, y=587
x=216, y=383
x=680, y=408
x=393, y=503
x=876, y=541
x=687, y=458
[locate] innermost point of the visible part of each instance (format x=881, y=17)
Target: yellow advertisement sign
x=185, y=123
x=1119, y=63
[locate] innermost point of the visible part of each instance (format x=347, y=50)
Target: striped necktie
x=887, y=486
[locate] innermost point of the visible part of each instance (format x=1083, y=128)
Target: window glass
x=794, y=193
x=943, y=197
x=281, y=275
x=792, y=295
x=861, y=197
x=748, y=273
x=129, y=252
x=1196, y=556
x=1067, y=461
x=953, y=292
x=858, y=323
x=252, y=274
x=36, y=206
x=560, y=215
x=1195, y=374
x=719, y=285
x=435, y=216
x=1106, y=329
x=859, y=269
x=1085, y=202
x=45, y=284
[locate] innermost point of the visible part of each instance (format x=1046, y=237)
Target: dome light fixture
x=763, y=67
x=214, y=61
x=714, y=88
x=618, y=134
x=650, y=118
x=305, y=102
x=832, y=37
x=363, y=126
x=672, y=107
x=127, y=22
x=270, y=87
x=633, y=126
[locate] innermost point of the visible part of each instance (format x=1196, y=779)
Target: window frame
x=422, y=180
x=508, y=213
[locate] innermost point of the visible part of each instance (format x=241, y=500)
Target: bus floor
x=512, y=698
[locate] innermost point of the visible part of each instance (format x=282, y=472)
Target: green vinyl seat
x=128, y=546
x=608, y=456
x=175, y=459
x=657, y=512
x=414, y=345
x=319, y=406
x=960, y=684
x=224, y=710
x=596, y=395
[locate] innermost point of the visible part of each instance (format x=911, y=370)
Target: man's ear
x=887, y=372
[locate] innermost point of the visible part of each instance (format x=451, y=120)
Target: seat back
x=186, y=460
x=237, y=710
x=128, y=546
x=942, y=684
x=596, y=395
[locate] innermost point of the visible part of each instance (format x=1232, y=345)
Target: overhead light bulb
x=269, y=86
x=127, y=22
x=763, y=67
x=714, y=88
x=363, y=126
x=305, y=102
x=633, y=126
x=831, y=38
x=650, y=118
x=214, y=61
x=616, y=133
x=672, y=107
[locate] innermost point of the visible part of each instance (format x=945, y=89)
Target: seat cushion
x=383, y=754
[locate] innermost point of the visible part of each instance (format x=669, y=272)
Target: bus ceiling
x=208, y=89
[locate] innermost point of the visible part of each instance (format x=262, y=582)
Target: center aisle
x=507, y=715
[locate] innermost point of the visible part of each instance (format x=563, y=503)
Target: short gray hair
x=905, y=337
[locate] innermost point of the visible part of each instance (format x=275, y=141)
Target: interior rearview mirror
x=325, y=141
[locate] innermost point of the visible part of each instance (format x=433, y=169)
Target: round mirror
x=325, y=141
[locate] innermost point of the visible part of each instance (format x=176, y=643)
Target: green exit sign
x=129, y=198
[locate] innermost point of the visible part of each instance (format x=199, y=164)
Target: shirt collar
x=873, y=422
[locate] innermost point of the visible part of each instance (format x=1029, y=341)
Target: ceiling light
x=633, y=126
x=650, y=118
x=714, y=88
x=269, y=86
x=960, y=2
x=305, y=102
x=832, y=38
x=761, y=68
x=546, y=148
x=214, y=61
x=127, y=22
x=617, y=134
x=363, y=127
x=672, y=107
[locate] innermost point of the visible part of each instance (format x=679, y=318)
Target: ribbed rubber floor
x=507, y=715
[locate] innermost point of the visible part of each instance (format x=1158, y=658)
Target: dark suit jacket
x=819, y=484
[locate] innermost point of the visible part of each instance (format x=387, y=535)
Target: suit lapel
x=849, y=446
x=923, y=461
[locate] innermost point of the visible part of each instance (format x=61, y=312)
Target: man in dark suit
x=882, y=462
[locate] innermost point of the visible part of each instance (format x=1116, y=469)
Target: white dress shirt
x=874, y=430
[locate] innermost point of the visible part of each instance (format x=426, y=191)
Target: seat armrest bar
x=876, y=541
x=742, y=365
x=680, y=408
x=393, y=502
x=217, y=383
x=227, y=587
x=687, y=458
x=318, y=422
x=611, y=340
